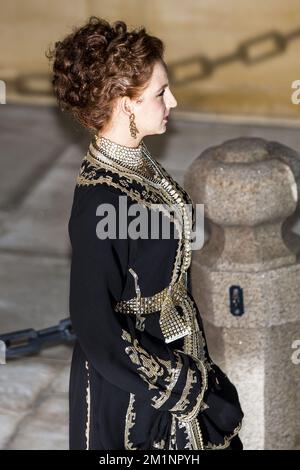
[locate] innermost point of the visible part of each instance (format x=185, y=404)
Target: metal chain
x=22, y=342
x=249, y=52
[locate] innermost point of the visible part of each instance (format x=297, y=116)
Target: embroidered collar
x=137, y=160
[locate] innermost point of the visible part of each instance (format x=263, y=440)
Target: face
x=154, y=103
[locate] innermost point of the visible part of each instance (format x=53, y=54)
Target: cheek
x=153, y=112
x=159, y=107
x=155, y=104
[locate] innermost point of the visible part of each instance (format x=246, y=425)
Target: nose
x=173, y=101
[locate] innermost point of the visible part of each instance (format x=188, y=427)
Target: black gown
x=141, y=376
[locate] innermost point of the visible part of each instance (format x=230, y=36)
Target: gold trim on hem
x=88, y=402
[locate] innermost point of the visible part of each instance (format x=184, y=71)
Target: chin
x=162, y=129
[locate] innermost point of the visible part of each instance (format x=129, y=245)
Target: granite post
x=246, y=280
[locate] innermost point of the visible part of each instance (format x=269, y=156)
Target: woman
x=141, y=376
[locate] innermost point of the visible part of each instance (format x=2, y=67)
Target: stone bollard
x=246, y=280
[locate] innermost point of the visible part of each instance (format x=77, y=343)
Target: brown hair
x=97, y=63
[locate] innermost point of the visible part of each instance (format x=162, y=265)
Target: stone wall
x=239, y=66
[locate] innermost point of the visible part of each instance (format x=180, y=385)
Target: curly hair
x=98, y=63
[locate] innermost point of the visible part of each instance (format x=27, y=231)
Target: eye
x=162, y=92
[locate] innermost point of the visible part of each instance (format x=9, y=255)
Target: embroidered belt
x=146, y=305
x=174, y=325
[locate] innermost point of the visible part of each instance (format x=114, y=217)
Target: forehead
x=159, y=76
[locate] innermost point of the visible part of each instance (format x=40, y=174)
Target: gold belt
x=173, y=324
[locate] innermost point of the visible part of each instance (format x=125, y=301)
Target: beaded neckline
x=132, y=155
x=134, y=159
x=140, y=163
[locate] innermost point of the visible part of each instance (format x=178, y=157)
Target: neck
x=118, y=138
x=135, y=159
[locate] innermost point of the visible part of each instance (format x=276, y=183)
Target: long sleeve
x=167, y=378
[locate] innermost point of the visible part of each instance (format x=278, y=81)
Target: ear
x=126, y=105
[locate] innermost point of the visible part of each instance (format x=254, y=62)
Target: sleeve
x=167, y=378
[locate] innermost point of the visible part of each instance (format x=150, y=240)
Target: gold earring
x=132, y=126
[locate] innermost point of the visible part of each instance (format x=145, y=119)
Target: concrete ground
x=40, y=152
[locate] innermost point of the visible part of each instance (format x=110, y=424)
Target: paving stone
x=41, y=152
x=21, y=382
x=8, y=422
x=34, y=291
x=53, y=409
x=61, y=382
x=40, y=225
x=61, y=352
x=32, y=138
x=40, y=434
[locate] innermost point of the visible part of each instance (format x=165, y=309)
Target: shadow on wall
x=263, y=47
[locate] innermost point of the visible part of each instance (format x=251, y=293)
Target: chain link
x=249, y=52
x=22, y=342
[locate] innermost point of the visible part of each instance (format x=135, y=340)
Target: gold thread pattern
x=148, y=367
x=88, y=403
x=227, y=440
x=129, y=423
x=171, y=381
x=162, y=184
x=153, y=185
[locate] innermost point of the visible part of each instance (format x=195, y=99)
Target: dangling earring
x=132, y=126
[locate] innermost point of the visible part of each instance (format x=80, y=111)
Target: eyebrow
x=164, y=86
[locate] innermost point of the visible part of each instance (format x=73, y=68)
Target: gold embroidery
x=88, y=402
x=196, y=434
x=132, y=159
x=184, y=402
x=186, y=429
x=129, y=423
x=171, y=381
x=203, y=406
x=151, y=304
x=165, y=191
x=163, y=188
x=173, y=439
x=159, y=444
x=195, y=343
x=149, y=368
x=227, y=440
x=192, y=430
x=151, y=200
x=173, y=325
x=140, y=322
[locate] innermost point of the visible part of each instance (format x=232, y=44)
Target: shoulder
x=88, y=197
x=95, y=205
x=86, y=213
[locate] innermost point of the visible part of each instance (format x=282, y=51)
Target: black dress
x=141, y=376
